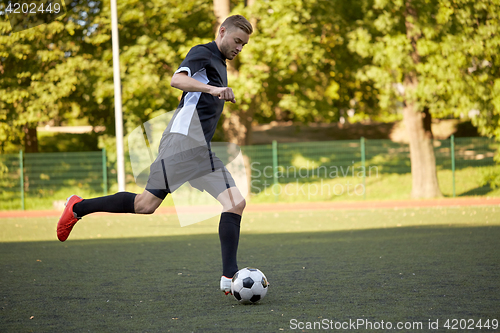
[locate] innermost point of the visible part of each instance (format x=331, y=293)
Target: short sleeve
x=197, y=58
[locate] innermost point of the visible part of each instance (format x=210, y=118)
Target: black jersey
x=206, y=64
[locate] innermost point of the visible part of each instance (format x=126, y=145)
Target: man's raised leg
x=121, y=202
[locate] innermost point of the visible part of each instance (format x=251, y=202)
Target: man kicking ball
x=184, y=154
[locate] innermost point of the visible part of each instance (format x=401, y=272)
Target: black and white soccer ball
x=249, y=285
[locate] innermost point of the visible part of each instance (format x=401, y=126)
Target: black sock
x=121, y=202
x=229, y=235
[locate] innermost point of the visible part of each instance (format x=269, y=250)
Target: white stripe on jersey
x=184, y=69
x=183, y=118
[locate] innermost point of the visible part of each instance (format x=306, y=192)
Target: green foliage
x=67, y=142
x=306, y=61
x=155, y=36
x=297, y=65
x=61, y=73
x=457, y=43
x=41, y=69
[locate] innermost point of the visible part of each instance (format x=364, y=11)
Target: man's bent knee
x=241, y=206
x=237, y=208
x=232, y=201
x=146, y=203
x=145, y=209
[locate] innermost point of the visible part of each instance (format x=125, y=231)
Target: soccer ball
x=249, y=285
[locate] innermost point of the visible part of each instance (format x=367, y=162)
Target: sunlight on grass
x=154, y=276
x=103, y=226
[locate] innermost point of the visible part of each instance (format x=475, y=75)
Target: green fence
x=31, y=176
x=363, y=163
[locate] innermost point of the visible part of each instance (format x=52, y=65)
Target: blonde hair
x=238, y=21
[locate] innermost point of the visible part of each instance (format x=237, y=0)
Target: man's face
x=232, y=42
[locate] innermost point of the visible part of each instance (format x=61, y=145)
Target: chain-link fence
x=31, y=176
x=463, y=165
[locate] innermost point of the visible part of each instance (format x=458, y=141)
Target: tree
x=40, y=68
x=295, y=66
x=63, y=70
x=235, y=122
x=154, y=38
x=421, y=54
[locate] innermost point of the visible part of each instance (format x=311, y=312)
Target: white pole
x=120, y=161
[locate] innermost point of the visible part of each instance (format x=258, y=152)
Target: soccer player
x=184, y=153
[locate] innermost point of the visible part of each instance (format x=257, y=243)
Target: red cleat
x=68, y=218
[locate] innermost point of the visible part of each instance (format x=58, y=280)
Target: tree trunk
x=423, y=161
x=418, y=124
x=222, y=8
x=237, y=123
x=30, y=139
x=237, y=127
x=427, y=119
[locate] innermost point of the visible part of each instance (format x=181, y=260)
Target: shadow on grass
x=480, y=190
x=159, y=284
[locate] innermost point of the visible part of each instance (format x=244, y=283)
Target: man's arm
x=185, y=83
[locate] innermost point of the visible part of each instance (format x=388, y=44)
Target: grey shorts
x=181, y=159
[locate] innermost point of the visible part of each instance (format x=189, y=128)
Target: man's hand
x=183, y=82
x=224, y=93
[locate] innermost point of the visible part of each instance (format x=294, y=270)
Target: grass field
x=125, y=273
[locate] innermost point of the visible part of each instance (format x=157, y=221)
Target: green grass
x=125, y=273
